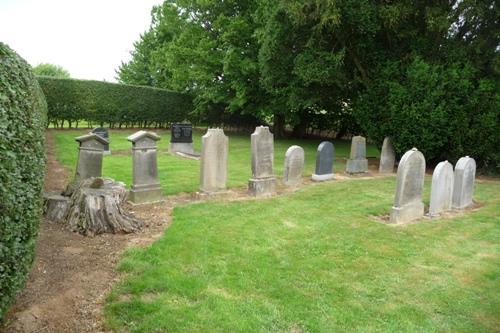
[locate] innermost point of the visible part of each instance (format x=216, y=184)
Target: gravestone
x=103, y=133
x=181, y=139
x=357, y=163
x=324, y=162
x=213, y=165
x=90, y=152
x=408, y=205
x=463, y=186
x=387, y=157
x=441, y=189
x=145, y=184
x=294, y=165
x=263, y=181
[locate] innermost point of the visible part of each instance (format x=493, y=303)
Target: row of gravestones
x=449, y=189
x=446, y=186
x=213, y=166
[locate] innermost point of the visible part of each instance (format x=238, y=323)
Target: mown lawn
x=178, y=174
x=314, y=261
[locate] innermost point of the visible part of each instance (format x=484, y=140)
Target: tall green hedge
x=118, y=105
x=22, y=160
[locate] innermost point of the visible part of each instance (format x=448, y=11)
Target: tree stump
x=95, y=207
x=55, y=207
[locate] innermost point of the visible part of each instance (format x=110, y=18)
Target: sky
x=89, y=38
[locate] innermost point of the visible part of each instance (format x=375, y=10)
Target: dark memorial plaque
x=182, y=133
x=103, y=133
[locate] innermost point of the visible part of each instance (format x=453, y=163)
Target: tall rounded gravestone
x=408, y=205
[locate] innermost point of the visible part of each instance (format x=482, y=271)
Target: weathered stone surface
x=103, y=133
x=55, y=207
x=294, y=165
x=408, y=205
x=145, y=184
x=357, y=163
x=90, y=154
x=213, y=164
x=463, y=187
x=181, y=140
x=387, y=157
x=324, y=162
x=441, y=189
x=263, y=181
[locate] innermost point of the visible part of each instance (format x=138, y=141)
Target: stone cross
x=145, y=184
x=387, y=157
x=441, y=188
x=294, y=165
x=103, y=133
x=213, y=165
x=463, y=187
x=357, y=163
x=408, y=205
x=324, y=162
x=263, y=181
x=89, y=156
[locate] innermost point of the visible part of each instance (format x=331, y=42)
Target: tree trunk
x=95, y=207
x=279, y=125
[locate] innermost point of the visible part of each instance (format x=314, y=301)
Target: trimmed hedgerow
x=118, y=105
x=22, y=160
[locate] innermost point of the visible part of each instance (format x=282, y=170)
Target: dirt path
x=72, y=274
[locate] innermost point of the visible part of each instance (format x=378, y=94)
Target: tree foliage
x=51, y=70
x=424, y=72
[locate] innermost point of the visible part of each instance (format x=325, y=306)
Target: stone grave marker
x=103, y=133
x=181, y=139
x=90, y=152
x=463, y=186
x=387, y=157
x=441, y=189
x=213, y=164
x=324, y=162
x=145, y=184
x=357, y=163
x=294, y=165
x=408, y=205
x=263, y=181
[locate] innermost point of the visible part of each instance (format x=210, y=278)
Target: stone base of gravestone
x=140, y=194
x=322, y=178
x=182, y=147
x=407, y=213
x=355, y=166
x=55, y=207
x=262, y=186
x=106, y=152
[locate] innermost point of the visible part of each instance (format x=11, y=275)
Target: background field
x=179, y=174
x=315, y=261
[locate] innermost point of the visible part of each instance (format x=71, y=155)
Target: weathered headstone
x=213, y=164
x=357, y=163
x=441, y=188
x=103, y=133
x=463, y=187
x=181, y=140
x=263, y=181
x=89, y=156
x=408, y=205
x=294, y=165
x=324, y=162
x=387, y=157
x=145, y=184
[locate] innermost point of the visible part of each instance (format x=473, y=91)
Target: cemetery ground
x=312, y=259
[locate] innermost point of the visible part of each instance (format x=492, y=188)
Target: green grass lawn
x=314, y=261
x=179, y=174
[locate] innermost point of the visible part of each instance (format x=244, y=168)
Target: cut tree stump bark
x=55, y=207
x=95, y=207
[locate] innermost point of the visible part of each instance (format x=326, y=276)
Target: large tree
x=46, y=69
